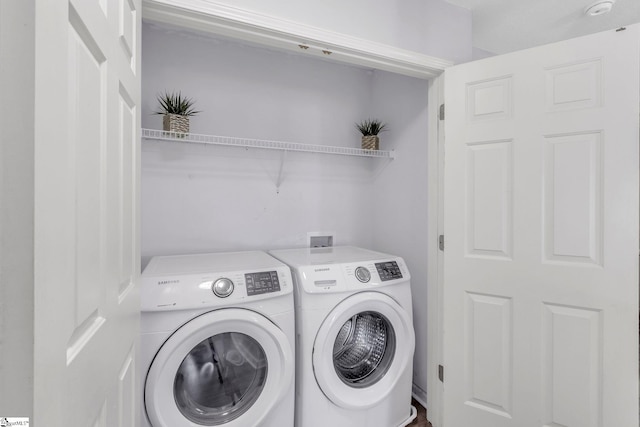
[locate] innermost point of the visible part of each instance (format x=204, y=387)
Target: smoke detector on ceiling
x=599, y=8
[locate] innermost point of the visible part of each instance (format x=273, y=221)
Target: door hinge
x=441, y=373
x=441, y=242
x=441, y=113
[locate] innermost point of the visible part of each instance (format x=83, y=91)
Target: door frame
x=433, y=399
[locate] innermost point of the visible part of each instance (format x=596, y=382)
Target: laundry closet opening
x=203, y=198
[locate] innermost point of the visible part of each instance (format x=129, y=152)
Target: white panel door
x=541, y=227
x=86, y=212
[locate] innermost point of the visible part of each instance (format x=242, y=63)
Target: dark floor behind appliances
x=421, y=419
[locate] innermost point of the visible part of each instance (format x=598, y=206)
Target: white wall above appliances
x=272, y=31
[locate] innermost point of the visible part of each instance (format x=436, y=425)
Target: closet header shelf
x=160, y=135
x=243, y=24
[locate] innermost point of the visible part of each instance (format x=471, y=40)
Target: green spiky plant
x=371, y=127
x=175, y=103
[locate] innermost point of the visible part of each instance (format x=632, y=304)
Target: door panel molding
x=571, y=176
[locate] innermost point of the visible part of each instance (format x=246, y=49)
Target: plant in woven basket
x=370, y=128
x=176, y=110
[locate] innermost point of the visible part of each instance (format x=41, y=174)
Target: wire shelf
x=160, y=135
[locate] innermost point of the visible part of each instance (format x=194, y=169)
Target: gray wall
x=198, y=198
x=201, y=198
x=430, y=27
x=401, y=219
x=17, y=67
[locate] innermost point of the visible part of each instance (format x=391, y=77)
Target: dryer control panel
x=347, y=277
x=263, y=282
x=388, y=270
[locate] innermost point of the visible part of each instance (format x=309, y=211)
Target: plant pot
x=370, y=142
x=175, y=123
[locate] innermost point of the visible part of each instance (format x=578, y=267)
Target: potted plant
x=176, y=110
x=370, y=129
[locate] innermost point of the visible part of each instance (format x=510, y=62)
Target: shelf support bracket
x=279, y=179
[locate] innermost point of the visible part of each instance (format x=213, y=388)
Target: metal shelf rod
x=160, y=135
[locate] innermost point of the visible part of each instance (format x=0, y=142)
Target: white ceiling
x=501, y=26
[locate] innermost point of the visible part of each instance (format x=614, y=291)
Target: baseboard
x=419, y=395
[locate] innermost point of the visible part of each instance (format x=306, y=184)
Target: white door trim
x=242, y=24
x=433, y=399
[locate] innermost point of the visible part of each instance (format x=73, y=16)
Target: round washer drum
x=221, y=368
x=361, y=348
x=364, y=349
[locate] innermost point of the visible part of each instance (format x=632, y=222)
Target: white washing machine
x=355, y=337
x=217, y=343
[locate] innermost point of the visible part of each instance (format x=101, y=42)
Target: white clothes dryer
x=355, y=337
x=217, y=342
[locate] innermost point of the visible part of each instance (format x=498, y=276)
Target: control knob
x=222, y=287
x=363, y=274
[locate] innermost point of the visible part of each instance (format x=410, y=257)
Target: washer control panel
x=363, y=274
x=212, y=280
x=263, y=282
x=388, y=270
x=222, y=287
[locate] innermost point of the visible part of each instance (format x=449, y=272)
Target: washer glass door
x=364, y=349
x=220, y=378
x=228, y=367
x=361, y=350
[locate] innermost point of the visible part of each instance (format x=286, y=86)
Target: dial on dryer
x=222, y=287
x=363, y=274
